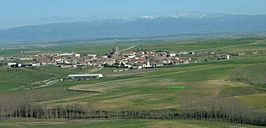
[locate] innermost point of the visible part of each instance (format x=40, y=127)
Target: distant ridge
x=141, y=27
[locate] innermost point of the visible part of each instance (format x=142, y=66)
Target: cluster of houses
x=131, y=59
x=145, y=59
x=17, y=62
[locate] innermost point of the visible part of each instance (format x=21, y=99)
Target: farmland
x=240, y=79
x=117, y=124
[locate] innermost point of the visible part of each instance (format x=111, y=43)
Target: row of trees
x=226, y=110
x=208, y=109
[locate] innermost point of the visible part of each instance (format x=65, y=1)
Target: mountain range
x=138, y=27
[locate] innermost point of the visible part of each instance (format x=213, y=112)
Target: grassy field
x=253, y=74
x=146, y=89
x=120, y=124
x=104, y=46
x=12, y=79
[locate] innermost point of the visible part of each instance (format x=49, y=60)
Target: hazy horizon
x=16, y=13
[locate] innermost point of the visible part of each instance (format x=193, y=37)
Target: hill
x=140, y=27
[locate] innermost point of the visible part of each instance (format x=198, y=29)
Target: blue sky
x=28, y=12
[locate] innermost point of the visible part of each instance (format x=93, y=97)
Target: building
x=19, y=65
x=36, y=64
x=12, y=65
x=172, y=55
x=67, y=54
x=2, y=58
x=25, y=59
x=77, y=55
x=92, y=55
x=192, y=52
x=227, y=57
x=83, y=76
x=223, y=57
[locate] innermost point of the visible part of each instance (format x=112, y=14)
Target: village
x=123, y=59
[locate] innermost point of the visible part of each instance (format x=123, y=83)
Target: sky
x=15, y=13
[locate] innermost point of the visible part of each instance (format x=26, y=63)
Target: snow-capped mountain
x=137, y=27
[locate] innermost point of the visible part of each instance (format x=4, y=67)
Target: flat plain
x=242, y=78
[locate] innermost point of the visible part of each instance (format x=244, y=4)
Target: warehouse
x=75, y=77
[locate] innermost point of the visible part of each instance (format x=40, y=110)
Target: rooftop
x=83, y=75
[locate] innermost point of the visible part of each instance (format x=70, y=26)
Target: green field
x=119, y=124
x=253, y=75
x=176, y=87
x=241, y=78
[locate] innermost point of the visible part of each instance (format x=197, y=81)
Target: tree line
x=208, y=109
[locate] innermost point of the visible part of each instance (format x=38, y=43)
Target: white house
x=92, y=56
x=11, y=64
x=77, y=55
x=227, y=57
x=172, y=54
